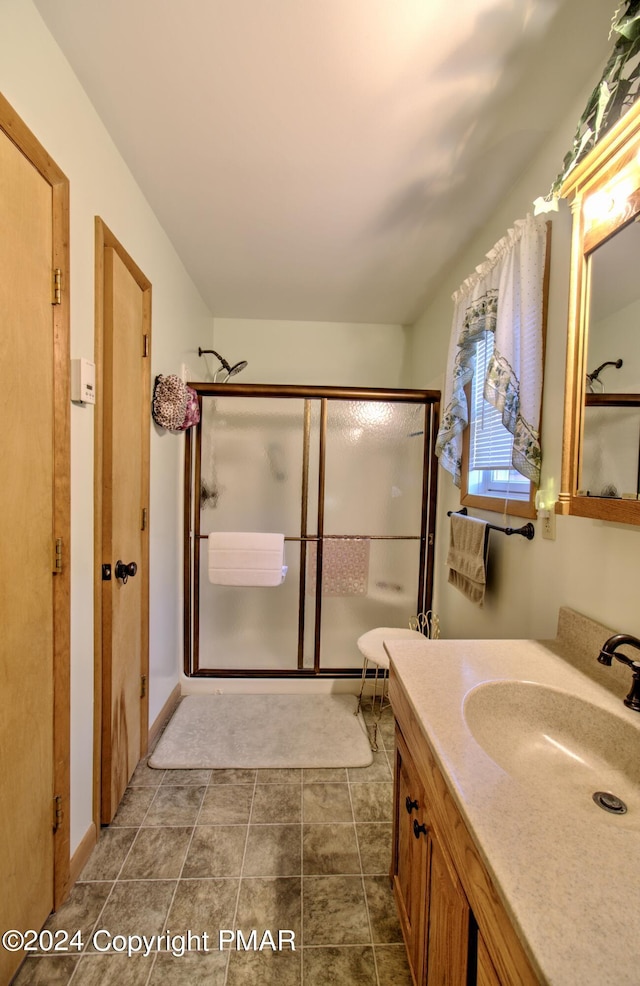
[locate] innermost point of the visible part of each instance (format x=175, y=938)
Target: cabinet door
x=448, y=931
x=410, y=863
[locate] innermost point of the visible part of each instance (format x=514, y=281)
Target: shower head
x=231, y=370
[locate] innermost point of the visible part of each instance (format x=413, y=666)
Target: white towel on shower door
x=246, y=558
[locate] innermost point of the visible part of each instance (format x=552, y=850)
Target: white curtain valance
x=503, y=296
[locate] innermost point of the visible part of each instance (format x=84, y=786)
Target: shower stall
x=348, y=475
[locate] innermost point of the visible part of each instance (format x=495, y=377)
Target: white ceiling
x=325, y=159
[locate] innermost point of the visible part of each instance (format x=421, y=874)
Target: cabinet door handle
x=410, y=805
x=418, y=829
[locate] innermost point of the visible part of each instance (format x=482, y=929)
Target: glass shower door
x=372, y=524
x=251, y=467
x=349, y=478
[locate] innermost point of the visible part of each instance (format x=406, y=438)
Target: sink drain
x=609, y=802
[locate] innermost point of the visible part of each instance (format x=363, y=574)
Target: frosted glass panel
x=390, y=600
x=251, y=464
x=248, y=628
x=309, y=605
x=314, y=467
x=374, y=459
x=251, y=480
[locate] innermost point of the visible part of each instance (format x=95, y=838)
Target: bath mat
x=262, y=731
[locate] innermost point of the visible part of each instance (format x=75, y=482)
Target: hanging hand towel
x=245, y=558
x=467, y=556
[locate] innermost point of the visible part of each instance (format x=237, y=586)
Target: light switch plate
x=548, y=521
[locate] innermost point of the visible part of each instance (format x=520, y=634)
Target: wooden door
x=34, y=625
x=124, y=522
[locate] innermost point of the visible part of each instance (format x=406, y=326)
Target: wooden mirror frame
x=612, y=169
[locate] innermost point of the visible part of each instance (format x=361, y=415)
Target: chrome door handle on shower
x=124, y=571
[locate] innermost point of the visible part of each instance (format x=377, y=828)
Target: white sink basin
x=561, y=746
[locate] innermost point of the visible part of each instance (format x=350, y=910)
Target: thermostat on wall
x=83, y=381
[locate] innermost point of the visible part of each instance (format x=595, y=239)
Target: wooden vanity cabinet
x=486, y=974
x=450, y=933
x=411, y=857
x=433, y=909
x=456, y=930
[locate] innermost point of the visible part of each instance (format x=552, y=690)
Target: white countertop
x=569, y=879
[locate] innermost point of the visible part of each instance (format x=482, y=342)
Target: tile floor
x=305, y=851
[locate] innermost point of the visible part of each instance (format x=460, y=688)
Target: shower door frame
x=193, y=537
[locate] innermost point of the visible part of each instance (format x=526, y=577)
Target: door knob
x=124, y=571
x=410, y=804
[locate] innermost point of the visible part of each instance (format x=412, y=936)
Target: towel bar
x=527, y=530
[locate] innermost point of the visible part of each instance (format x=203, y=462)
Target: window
x=486, y=450
x=497, y=347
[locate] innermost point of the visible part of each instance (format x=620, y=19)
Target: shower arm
x=229, y=370
x=596, y=373
x=202, y=352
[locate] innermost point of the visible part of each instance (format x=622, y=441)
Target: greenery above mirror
x=601, y=449
x=615, y=94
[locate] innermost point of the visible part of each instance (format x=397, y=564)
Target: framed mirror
x=601, y=442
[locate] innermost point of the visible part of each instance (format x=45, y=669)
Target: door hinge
x=145, y=517
x=56, y=297
x=58, y=813
x=57, y=556
x=143, y=686
x=145, y=345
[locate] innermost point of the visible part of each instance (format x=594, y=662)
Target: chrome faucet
x=609, y=651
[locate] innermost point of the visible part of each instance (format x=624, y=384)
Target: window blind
x=490, y=445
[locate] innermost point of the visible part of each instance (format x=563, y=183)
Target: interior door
x=26, y=549
x=125, y=481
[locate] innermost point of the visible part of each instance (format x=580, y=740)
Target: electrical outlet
x=548, y=520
